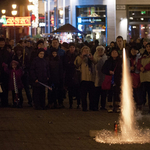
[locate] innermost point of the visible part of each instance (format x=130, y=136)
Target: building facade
x=100, y=19
x=132, y=19
x=96, y=18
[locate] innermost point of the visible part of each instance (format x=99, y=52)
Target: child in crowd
x=56, y=77
x=39, y=72
x=15, y=82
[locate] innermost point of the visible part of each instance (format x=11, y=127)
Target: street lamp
x=30, y=8
x=3, y=11
x=14, y=6
x=2, y=20
x=14, y=13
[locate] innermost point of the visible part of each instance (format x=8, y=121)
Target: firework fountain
x=129, y=132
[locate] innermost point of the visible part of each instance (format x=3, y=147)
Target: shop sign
x=17, y=21
x=42, y=24
x=89, y=20
x=121, y=7
x=52, y=20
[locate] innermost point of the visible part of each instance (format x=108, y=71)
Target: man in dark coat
x=93, y=50
x=4, y=58
x=61, y=55
x=71, y=80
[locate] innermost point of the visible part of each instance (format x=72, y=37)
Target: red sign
x=18, y=21
x=52, y=20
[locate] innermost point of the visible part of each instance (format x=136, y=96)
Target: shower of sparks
x=129, y=132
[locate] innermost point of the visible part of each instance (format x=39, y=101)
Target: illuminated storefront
x=92, y=20
x=139, y=21
x=97, y=18
x=132, y=19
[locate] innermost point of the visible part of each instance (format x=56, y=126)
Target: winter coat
x=28, y=51
x=5, y=57
x=24, y=63
x=39, y=70
x=112, y=64
x=18, y=74
x=134, y=62
x=70, y=68
x=99, y=78
x=144, y=62
x=87, y=74
x=56, y=71
x=142, y=50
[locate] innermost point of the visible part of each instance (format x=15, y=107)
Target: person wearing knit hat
x=40, y=50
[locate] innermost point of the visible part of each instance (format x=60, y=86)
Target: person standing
x=23, y=60
x=71, y=79
x=85, y=62
x=15, y=83
x=144, y=67
x=101, y=57
x=39, y=72
x=113, y=67
x=5, y=57
x=135, y=74
x=61, y=55
x=56, y=77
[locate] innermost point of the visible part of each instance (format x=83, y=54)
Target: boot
x=117, y=107
x=110, y=107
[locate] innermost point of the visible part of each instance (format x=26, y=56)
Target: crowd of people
x=81, y=69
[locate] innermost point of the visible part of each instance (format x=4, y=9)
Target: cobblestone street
x=58, y=129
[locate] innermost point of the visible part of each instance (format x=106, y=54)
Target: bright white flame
x=127, y=104
x=129, y=132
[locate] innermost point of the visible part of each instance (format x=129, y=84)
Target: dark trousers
x=100, y=93
x=145, y=89
x=137, y=95
x=25, y=81
x=74, y=92
x=4, y=95
x=39, y=96
x=87, y=87
x=19, y=96
x=114, y=94
x=56, y=93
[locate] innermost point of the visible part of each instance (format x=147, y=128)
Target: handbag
x=106, y=85
x=135, y=80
